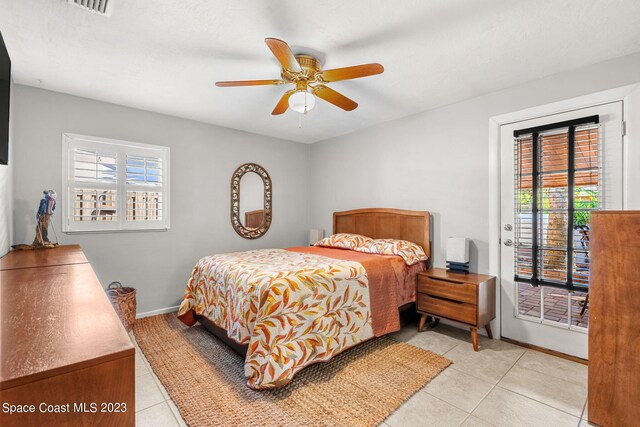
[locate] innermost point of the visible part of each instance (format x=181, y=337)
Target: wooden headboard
x=380, y=223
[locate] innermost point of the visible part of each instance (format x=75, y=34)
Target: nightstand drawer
x=463, y=292
x=461, y=311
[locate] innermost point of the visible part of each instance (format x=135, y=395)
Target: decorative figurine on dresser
x=463, y=297
x=43, y=216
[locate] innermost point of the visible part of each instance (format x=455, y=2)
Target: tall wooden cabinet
x=614, y=310
x=65, y=357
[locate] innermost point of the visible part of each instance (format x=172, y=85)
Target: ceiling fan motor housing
x=310, y=67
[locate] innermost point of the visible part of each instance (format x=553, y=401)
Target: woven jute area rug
x=205, y=378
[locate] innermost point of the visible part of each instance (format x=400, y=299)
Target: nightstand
x=465, y=298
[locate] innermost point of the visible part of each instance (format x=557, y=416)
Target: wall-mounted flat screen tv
x=5, y=88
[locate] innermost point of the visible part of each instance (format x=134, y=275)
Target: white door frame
x=630, y=95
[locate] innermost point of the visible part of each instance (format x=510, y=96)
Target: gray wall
x=203, y=157
x=438, y=160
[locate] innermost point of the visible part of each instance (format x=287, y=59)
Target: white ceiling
x=165, y=55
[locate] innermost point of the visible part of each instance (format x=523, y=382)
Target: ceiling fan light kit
x=306, y=73
x=302, y=101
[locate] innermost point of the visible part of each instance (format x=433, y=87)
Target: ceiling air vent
x=102, y=7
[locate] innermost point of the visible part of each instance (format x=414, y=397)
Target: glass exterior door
x=555, y=171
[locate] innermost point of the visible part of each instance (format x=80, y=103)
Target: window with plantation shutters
x=557, y=185
x=114, y=185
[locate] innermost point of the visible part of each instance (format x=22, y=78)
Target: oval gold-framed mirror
x=247, y=218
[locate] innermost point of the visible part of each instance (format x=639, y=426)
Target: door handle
x=508, y=242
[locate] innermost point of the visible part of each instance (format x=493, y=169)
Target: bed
x=284, y=309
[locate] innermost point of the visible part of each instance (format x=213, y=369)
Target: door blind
x=557, y=185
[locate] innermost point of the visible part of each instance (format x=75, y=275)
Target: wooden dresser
x=466, y=298
x=63, y=348
x=614, y=310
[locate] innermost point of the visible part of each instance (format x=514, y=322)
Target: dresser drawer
x=463, y=292
x=460, y=311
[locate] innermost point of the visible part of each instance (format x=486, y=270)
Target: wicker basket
x=123, y=300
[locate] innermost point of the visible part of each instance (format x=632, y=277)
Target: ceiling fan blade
x=354, y=72
x=249, y=83
x=283, y=104
x=284, y=55
x=335, y=98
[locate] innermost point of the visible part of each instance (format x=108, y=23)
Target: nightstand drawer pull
x=455, y=291
x=462, y=312
x=447, y=299
x=453, y=282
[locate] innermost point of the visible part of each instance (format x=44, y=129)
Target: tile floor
x=501, y=385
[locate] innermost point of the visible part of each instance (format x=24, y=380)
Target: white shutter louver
x=144, y=172
x=91, y=169
x=94, y=166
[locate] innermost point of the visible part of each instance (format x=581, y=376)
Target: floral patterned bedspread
x=291, y=308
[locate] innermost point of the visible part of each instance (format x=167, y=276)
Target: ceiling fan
x=306, y=73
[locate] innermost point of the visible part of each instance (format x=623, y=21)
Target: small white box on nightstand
x=458, y=254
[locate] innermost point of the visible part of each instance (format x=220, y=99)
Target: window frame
x=70, y=142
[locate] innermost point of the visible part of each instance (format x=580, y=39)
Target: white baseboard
x=158, y=311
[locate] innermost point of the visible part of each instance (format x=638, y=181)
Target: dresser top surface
x=55, y=319
x=61, y=255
